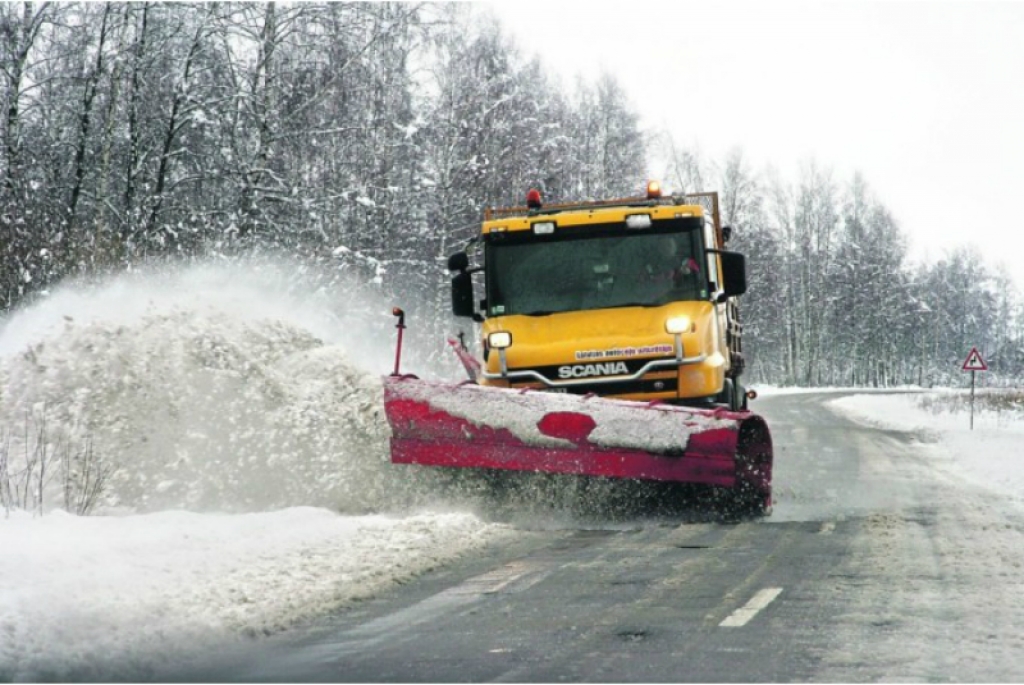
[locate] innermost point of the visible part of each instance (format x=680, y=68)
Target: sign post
x=973, y=363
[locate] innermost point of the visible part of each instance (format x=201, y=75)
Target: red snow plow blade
x=472, y=426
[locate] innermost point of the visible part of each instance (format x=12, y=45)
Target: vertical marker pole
x=972, y=399
x=398, y=348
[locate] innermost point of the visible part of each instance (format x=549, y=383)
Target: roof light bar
x=533, y=200
x=638, y=221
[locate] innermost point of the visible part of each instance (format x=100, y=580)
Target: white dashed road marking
x=742, y=616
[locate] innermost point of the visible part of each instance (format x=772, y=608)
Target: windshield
x=602, y=267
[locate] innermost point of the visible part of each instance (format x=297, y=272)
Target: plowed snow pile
x=207, y=391
x=216, y=391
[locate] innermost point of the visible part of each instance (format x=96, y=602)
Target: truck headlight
x=499, y=340
x=678, y=324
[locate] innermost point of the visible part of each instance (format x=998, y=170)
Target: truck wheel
x=728, y=394
x=734, y=395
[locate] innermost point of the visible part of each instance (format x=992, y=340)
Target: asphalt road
x=875, y=565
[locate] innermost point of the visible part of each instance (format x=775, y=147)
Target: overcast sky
x=925, y=98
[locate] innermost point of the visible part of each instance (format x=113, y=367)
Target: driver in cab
x=668, y=267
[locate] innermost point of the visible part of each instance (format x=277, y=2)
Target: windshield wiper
x=637, y=304
x=611, y=306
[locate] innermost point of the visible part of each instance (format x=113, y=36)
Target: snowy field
x=250, y=488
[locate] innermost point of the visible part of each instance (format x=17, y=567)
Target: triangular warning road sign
x=974, y=362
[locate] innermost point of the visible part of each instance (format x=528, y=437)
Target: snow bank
x=990, y=455
x=227, y=390
x=112, y=598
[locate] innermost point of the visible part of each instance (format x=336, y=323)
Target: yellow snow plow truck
x=611, y=346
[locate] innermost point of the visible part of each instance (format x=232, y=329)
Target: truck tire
x=733, y=395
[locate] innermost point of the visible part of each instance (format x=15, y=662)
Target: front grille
x=638, y=387
x=552, y=373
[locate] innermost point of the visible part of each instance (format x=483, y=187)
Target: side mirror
x=462, y=294
x=734, y=273
x=458, y=262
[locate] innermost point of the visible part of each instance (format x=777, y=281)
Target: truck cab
x=632, y=299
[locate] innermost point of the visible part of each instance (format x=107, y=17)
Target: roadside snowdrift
x=989, y=455
x=215, y=389
x=114, y=598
